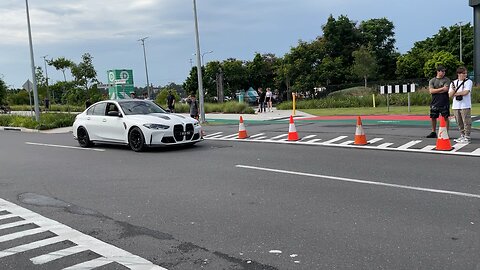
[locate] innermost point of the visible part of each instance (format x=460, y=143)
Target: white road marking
x=213, y=134
x=308, y=137
x=257, y=135
x=384, y=145
x=7, y=216
x=230, y=136
x=359, y=181
x=30, y=246
x=458, y=146
x=58, y=254
x=429, y=147
x=260, y=138
x=408, y=145
x=346, y=142
x=476, y=152
x=335, y=139
x=108, y=253
x=14, y=224
x=279, y=136
x=314, y=140
x=89, y=264
x=374, y=140
x=65, y=146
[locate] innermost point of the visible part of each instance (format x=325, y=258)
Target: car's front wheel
x=83, y=138
x=136, y=139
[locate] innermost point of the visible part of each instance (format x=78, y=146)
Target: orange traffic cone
x=242, y=132
x=443, y=141
x=292, y=131
x=360, y=138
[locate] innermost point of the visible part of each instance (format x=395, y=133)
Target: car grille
x=178, y=132
x=189, y=132
x=168, y=140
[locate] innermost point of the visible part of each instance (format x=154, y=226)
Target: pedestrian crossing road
x=399, y=144
x=23, y=231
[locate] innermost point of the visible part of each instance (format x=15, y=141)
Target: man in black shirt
x=440, y=104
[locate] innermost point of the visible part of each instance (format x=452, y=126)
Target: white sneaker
x=467, y=139
x=464, y=140
x=460, y=139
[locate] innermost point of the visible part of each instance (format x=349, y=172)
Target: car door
x=113, y=127
x=93, y=121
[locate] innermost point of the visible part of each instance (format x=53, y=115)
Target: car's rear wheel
x=83, y=138
x=136, y=139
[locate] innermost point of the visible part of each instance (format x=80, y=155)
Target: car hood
x=162, y=118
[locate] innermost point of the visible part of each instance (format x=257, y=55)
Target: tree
x=446, y=59
x=3, y=91
x=61, y=64
x=378, y=36
x=365, y=64
x=84, y=72
x=341, y=38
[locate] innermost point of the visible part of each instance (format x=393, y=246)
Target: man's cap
x=441, y=68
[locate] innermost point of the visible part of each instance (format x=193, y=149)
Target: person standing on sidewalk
x=261, y=100
x=268, y=99
x=192, y=101
x=440, y=103
x=460, y=90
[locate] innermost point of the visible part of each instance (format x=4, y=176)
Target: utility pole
x=199, y=66
x=461, y=51
x=32, y=60
x=146, y=69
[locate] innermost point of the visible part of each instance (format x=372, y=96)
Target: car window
x=100, y=109
x=140, y=107
x=111, y=107
x=90, y=110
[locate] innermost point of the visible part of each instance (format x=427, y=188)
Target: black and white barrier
x=397, y=89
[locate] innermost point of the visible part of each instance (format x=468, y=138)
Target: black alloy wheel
x=83, y=138
x=136, y=139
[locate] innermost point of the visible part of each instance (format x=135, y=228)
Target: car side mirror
x=114, y=113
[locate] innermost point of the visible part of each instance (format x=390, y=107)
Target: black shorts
x=435, y=111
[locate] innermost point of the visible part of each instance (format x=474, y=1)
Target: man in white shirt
x=460, y=90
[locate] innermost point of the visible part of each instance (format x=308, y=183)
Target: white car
x=134, y=122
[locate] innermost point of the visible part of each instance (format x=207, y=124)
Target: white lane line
x=42, y=259
x=256, y=135
x=314, y=140
x=335, y=139
x=92, y=264
x=279, y=136
x=107, y=251
x=458, y=146
x=14, y=224
x=346, y=142
x=30, y=246
x=21, y=234
x=384, y=145
x=230, y=136
x=476, y=152
x=308, y=137
x=359, y=181
x=65, y=146
x=260, y=138
x=409, y=144
x=213, y=134
x=7, y=216
x=374, y=140
x=429, y=147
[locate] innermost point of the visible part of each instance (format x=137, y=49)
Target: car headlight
x=156, y=126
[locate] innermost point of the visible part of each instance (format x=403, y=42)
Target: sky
x=110, y=29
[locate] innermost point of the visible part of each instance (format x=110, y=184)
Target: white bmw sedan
x=134, y=122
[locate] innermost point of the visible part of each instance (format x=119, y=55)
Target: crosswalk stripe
x=408, y=145
x=458, y=146
x=336, y=139
x=12, y=236
x=7, y=216
x=384, y=145
x=213, y=134
x=257, y=135
x=374, y=140
x=42, y=259
x=30, y=246
x=346, y=142
x=429, y=147
x=230, y=136
x=279, y=136
x=307, y=137
x=260, y=138
x=89, y=264
x=476, y=152
x=14, y=224
x=314, y=140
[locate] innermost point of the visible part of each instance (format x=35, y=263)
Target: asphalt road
x=248, y=205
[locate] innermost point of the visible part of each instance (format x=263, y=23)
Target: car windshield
x=140, y=107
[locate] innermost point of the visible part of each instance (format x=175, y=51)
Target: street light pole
x=203, y=63
x=199, y=66
x=461, y=51
x=46, y=74
x=34, y=79
x=145, y=59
